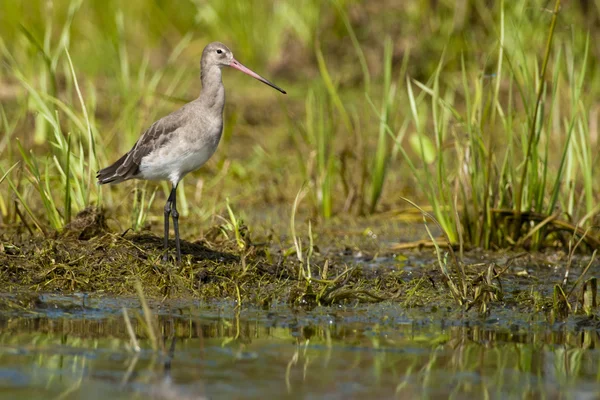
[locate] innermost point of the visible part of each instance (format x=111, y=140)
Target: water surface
x=77, y=347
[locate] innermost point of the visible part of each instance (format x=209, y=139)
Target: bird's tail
x=110, y=173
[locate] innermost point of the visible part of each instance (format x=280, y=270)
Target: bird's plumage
x=184, y=140
x=128, y=166
x=173, y=146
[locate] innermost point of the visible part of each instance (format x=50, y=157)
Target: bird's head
x=217, y=54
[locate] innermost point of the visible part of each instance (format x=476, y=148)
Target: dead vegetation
x=233, y=268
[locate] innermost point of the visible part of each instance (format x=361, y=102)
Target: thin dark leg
x=168, y=207
x=175, y=216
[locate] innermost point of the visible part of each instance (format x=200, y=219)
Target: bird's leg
x=175, y=216
x=168, y=207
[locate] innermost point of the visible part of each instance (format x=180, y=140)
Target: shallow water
x=77, y=347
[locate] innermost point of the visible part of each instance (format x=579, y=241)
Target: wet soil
x=348, y=265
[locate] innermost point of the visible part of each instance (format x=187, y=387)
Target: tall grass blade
x=382, y=153
x=533, y=126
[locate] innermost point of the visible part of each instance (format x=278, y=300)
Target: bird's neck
x=213, y=91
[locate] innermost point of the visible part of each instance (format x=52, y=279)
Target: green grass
x=485, y=116
x=505, y=158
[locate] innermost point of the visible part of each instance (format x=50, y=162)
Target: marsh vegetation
x=428, y=152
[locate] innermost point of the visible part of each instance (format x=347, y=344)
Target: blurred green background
x=430, y=99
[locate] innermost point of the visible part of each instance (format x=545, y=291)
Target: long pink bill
x=239, y=66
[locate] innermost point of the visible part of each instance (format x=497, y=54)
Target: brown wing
x=156, y=136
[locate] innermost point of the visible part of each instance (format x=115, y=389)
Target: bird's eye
x=219, y=51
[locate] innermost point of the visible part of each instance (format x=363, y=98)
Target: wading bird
x=184, y=140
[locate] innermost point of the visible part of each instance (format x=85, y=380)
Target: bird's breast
x=186, y=152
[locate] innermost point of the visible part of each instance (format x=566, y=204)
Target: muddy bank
x=88, y=258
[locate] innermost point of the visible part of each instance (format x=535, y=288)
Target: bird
x=183, y=141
